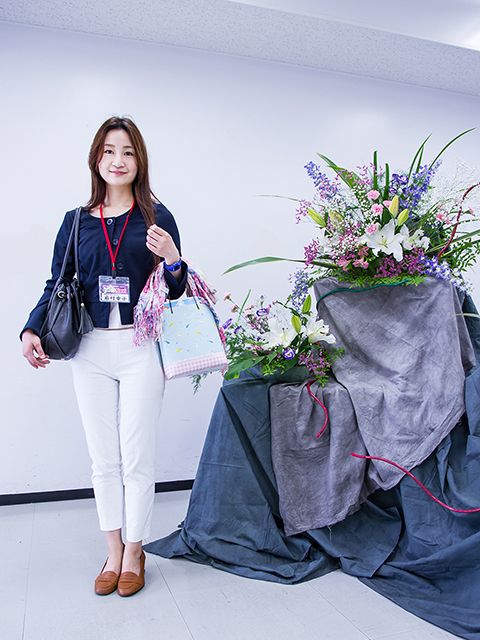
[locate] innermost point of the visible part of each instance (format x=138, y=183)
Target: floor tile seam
x=173, y=597
x=426, y=628
x=420, y=623
x=362, y=631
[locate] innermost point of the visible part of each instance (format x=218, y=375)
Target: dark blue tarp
x=400, y=543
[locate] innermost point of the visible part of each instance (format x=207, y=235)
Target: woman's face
x=118, y=165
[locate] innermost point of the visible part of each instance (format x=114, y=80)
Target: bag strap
x=73, y=238
x=78, y=213
x=189, y=291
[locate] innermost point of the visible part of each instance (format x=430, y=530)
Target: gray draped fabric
x=233, y=521
x=395, y=393
x=400, y=542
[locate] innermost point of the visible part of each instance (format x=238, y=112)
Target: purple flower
x=302, y=210
x=411, y=264
x=443, y=271
x=320, y=180
x=261, y=313
x=315, y=362
x=238, y=329
x=411, y=191
x=311, y=252
x=288, y=354
x=300, y=290
x=228, y=323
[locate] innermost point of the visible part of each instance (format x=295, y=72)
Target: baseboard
x=82, y=494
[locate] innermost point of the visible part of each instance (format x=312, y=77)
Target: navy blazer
x=134, y=260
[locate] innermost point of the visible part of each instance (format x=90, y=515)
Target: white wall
x=221, y=130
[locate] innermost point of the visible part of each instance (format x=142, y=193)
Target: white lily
x=336, y=218
x=318, y=331
x=417, y=239
x=278, y=336
x=407, y=240
x=393, y=207
x=403, y=217
x=316, y=217
x=385, y=240
x=324, y=244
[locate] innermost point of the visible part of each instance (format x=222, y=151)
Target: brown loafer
x=106, y=582
x=129, y=583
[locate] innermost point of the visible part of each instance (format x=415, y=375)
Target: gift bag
x=190, y=342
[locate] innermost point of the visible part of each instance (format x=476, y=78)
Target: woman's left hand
x=161, y=244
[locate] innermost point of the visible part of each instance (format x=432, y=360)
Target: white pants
x=119, y=390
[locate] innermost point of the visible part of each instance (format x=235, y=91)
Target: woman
x=119, y=387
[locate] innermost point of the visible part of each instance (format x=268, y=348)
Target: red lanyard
x=114, y=257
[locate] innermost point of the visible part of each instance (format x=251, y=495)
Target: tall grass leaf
x=451, y=142
x=419, y=152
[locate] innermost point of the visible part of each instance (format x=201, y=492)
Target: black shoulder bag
x=67, y=318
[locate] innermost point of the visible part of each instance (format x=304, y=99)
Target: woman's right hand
x=32, y=350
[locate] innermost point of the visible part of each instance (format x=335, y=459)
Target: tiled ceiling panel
x=395, y=42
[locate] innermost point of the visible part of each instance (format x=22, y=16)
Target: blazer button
x=120, y=266
x=110, y=221
x=115, y=241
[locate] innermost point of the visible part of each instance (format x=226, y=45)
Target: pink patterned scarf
x=148, y=314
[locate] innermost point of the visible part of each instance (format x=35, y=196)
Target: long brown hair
x=142, y=193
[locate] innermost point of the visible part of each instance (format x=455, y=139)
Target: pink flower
x=377, y=208
x=372, y=227
x=226, y=296
x=441, y=216
x=373, y=194
x=387, y=203
x=362, y=251
x=234, y=308
x=361, y=263
x=343, y=263
x=255, y=348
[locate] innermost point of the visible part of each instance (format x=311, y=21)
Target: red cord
x=356, y=455
x=458, y=219
x=323, y=406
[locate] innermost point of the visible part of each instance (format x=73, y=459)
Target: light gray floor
x=51, y=553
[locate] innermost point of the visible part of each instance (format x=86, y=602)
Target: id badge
x=113, y=289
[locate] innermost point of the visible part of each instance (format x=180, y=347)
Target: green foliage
x=277, y=338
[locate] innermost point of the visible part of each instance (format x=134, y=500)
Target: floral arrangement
x=277, y=337
x=377, y=227
x=373, y=227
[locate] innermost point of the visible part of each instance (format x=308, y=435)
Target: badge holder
x=113, y=289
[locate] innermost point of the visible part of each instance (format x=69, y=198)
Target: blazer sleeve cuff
x=176, y=289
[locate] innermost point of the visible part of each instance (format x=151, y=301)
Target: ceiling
x=433, y=43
